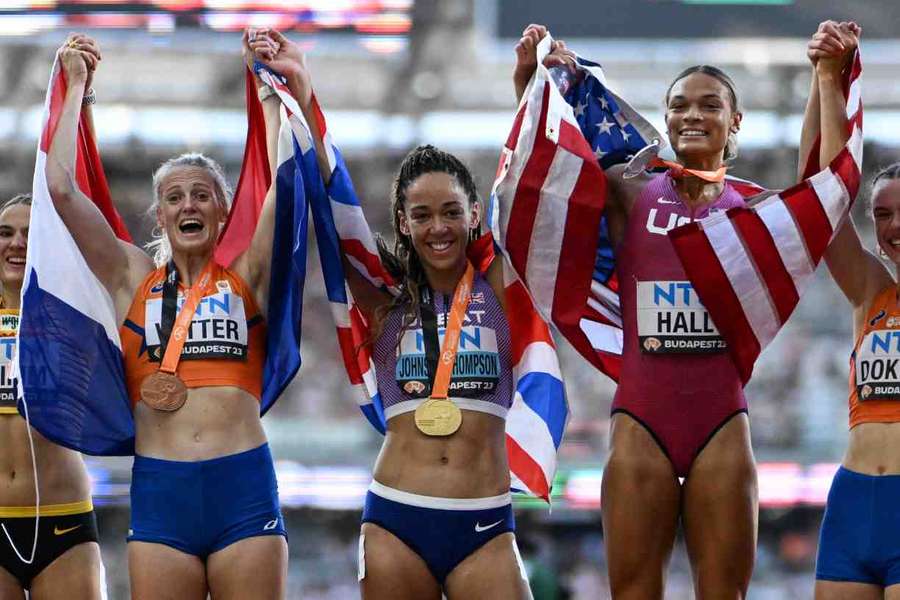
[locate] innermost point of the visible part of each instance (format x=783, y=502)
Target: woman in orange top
x=66, y=561
x=859, y=546
x=204, y=498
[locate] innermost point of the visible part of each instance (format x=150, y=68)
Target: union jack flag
x=537, y=418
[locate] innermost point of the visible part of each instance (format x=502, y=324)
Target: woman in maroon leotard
x=679, y=411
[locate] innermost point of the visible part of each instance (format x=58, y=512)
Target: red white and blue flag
x=70, y=354
x=537, y=418
x=69, y=358
x=748, y=265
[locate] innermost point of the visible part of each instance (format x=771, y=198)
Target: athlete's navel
x=197, y=437
x=444, y=460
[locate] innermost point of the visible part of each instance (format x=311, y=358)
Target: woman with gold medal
x=204, y=499
x=65, y=557
x=438, y=515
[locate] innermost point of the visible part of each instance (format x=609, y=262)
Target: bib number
x=672, y=320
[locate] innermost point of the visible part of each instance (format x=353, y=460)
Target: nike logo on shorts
x=58, y=531
x=479, y=528
x=270, y=525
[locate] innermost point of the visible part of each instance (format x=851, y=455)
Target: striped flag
x=547, y=204
x=289, y=246
x=750, y=265
x=547, y=213
x=69, y=357
x=537, y=418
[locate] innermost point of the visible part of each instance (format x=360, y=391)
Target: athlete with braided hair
x=438, y=515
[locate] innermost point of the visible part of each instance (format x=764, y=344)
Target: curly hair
x=402, y=262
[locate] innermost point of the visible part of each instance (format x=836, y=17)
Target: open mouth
x=190, y=226
x=692, y=133
x=15, y=261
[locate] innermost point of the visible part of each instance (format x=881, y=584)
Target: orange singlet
x=875, y=364
x=226, y=343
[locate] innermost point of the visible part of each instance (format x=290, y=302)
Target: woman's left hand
x=832, y=46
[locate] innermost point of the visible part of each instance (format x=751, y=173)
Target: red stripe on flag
x=526, y=325
x=576, y=261
x=516, y=128
x=355, y=352
x=714, y=289
x=57, y=98
x=355, y=248
x=253, y=183
x=845, y=168
x=526, y=469
x=761, y=247
x=810, y=217
x=528, y=192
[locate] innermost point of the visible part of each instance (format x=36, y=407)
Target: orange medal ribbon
x=678, y=171
x=164, y=390
x=438, y=416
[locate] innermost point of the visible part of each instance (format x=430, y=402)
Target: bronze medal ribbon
x=172, y=340
x=680, y=171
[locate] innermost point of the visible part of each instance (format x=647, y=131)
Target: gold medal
x=438, y=417
x=163, y=391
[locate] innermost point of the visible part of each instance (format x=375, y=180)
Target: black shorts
x=56, y=535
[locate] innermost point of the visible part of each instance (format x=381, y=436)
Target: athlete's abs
x=61, y=471
x=874, y=449
x=214, y=421
x=471, y=463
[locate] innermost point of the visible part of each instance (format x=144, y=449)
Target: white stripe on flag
x=748, y=287
x=788, y=240
x=856, y=146
x=603, y=310
x=538, y=357
x=530, y=431
x=550, y=227
x=606, y=296
x=341, y=314
x=602, y=336
x=854, y=97
x=60, y=267
x=519, y=160
x=832, y=195
x=350, y=223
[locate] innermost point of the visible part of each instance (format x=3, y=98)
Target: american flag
x=546, y=208
x=537, y=418
x=750, y=265
x=547, y=214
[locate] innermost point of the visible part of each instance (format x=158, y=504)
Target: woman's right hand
x=526, y=56
x=80, y=56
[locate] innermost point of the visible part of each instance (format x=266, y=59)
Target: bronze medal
x=163, y=391
x=438, y=417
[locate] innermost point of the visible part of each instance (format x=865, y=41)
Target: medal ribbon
x=452, y=331
x=679, y=171
x=174, y=329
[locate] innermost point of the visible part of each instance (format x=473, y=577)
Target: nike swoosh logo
x=58, y=531
x=479, y=528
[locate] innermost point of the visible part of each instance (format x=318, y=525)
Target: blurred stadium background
x=394, y=73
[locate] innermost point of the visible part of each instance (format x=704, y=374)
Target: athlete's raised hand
x=832, y=45
x=283, y=56
x=80, y=56
x=526, y=56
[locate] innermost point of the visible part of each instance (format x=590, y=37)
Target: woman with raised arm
x=205, y=517
x=438, y=516
x=680, y=435
x=859, y=545
x=66, y=559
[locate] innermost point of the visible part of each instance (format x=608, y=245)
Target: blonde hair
x=159, y=247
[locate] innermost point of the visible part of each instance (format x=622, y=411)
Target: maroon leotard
x=685, y=396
